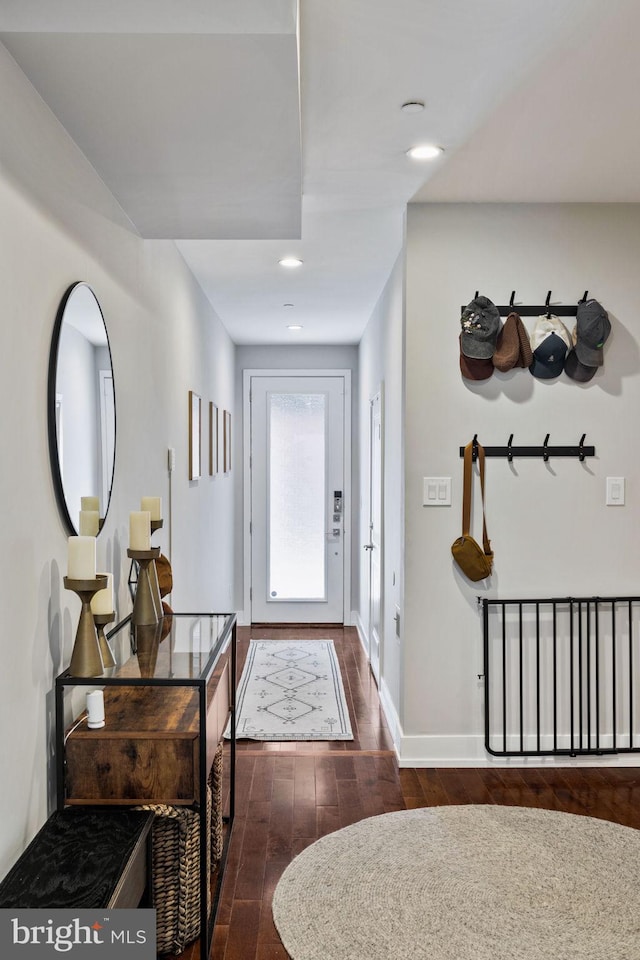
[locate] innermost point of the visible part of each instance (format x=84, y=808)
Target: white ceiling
x=247, y=130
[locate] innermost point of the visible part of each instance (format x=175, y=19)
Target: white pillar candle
x=140, y=530
x=102, y=601
x=81, y=559
x=90, y=503
x=153, y=505
x=89, y=523
x=95, y=709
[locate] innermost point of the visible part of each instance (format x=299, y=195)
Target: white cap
x=546, y=325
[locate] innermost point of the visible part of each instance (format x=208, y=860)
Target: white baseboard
x=469, y=751
x=390, y=715
x=362, y=633
x=388, y=707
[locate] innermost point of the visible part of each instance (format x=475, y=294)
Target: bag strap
x=466, y=495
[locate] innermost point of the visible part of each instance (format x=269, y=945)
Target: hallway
x=290, y=794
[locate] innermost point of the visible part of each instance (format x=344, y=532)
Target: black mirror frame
x=51, y=409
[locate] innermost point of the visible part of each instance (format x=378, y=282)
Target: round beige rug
x=465, y=883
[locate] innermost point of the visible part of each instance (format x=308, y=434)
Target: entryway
x=298, y=503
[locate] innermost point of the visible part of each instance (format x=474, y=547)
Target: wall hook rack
x=535, y=310
x=545, y=451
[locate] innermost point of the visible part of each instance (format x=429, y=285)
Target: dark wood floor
x=289, y=795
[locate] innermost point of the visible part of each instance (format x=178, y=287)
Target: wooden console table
x=167, y=703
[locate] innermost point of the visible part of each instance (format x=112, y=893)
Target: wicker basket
x=176, y=858
x=215, y=783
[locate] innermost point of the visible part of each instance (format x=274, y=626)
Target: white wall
x=381, y=366
x=59, y=224
x=294, y=358
x=551, y=531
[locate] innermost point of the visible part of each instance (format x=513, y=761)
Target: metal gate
x=562, y=676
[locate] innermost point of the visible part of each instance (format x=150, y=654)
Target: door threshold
x=296, y=626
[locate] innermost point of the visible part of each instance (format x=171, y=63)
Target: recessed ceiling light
x=424, y=151
x=294, y=326
x=290, y=262
x=412, y=106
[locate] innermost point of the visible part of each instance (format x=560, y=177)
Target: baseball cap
x=474, y=369
x=550, y=341
x=592, y=329
x=577, y=370
x=480, y=322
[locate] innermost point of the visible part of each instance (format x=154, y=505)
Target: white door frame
x=245, y=616
x=378, y=467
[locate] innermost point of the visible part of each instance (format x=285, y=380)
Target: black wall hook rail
x=545, y=452
x=528, y=310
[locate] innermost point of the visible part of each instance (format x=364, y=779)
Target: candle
x=95, y=709
x=153, y=505
x=81, y=560
x=90, y=503
x=140, y=530
x=89, y=523
x=102, y=601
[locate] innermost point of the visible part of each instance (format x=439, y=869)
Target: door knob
x=368, y=546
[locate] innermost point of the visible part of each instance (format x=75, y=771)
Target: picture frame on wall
x=214, y=456
x=195, y=436
x=227, y=441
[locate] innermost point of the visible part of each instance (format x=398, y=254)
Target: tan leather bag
x=474, y=561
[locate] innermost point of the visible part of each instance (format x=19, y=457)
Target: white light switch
x=436, y=491
x=615, y=491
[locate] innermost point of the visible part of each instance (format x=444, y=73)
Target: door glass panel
x=297, y=496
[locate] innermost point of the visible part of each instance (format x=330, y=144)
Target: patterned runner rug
x=292, y=690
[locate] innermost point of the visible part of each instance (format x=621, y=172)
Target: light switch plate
x=615, y=492
x=436, y=491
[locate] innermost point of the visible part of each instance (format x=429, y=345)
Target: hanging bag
x=474, y=561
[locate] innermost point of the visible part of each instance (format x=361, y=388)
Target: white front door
x=297, y=499
x=375, y=536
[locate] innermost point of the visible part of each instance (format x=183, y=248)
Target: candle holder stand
x=153, y=572
x=86, y=659
x=145, y=609
x=101, y=620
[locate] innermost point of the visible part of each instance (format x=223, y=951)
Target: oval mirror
x=81, y=409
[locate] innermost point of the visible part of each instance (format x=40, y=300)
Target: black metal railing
x=562, y=676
